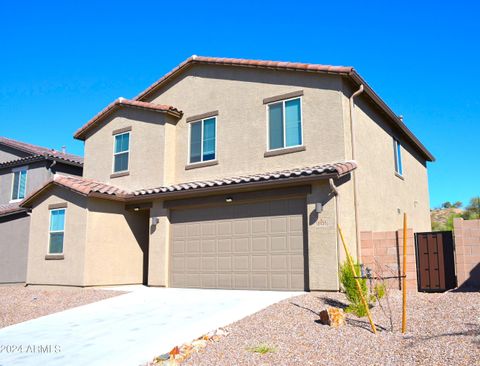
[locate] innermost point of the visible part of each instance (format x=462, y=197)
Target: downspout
x=51, y=166
x=336, y=194
x=354, y=173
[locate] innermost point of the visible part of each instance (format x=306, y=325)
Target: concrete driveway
x=129, y=329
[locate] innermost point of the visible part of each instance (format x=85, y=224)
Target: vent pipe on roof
x=64, y=149
x=354, y=175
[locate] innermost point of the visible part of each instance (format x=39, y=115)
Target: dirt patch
x=443, y=329
x=18, y=303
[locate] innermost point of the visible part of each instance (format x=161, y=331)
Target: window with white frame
x=203, y=143
x=57, y=231
x=285, y=124
x=121, y=152
x=19, y=185
x=397, y=152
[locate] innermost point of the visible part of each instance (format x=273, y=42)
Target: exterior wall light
x=155, y=221
x=318, y=207
x=229, y=199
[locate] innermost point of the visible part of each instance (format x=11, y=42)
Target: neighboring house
x=24, y=168
x=230, y=173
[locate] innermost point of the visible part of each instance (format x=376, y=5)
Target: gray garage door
x=246, y=246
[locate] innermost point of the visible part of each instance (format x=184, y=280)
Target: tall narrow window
x=397, y=149
x=203, y=143
x=57, y=231
x=19, y=184
x=285, y=124
x=121, y=152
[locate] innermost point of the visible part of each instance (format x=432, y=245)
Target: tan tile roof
x=122, y=102
x=346, y=71
x=11, y=208
x=338, y=169
x=79, y=185
x=36, y=151
x=90, y=187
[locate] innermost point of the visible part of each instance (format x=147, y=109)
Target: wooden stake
x=404, y=278
x=359, y=287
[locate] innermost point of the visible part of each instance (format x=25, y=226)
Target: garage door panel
x=178, y=247
x=241, y=227
x=241, y=280
x=295, y=224
x=279, y=262
x=224, y=245
x=260, y=280
x=296, y=243
x=278, y=225
x=209, y=264
x=260, y=262
x=224, y=228
x=279, y=281
x=278, y=244
x=209, y=229
x=193, y=230
x=260, y=244
x=241, y=245
x=259, y=226
x=224, y=263
x=241, y=263
x=250, y=246
x=209, y=246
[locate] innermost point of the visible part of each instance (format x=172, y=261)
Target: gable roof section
x=11, y=209
x=91, y=188
x=124, y=103
x=78, y=185
x=37, y=153
x=346, y=71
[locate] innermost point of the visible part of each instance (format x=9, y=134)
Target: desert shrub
x=347, y=279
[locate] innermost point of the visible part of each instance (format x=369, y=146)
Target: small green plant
x=347, y=278
x=262, y=349
x=379, y=290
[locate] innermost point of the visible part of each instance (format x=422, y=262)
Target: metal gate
x=435, y=261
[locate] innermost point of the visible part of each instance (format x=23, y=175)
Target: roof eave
x=81, y=134
x=379, y=101
x=233, y=187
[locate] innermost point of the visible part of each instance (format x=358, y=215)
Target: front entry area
x=258, y=245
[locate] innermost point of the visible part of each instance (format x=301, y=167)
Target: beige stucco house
x=230, y=173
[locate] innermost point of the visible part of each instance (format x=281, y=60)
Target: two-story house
x=24, y=168
x=230, y=173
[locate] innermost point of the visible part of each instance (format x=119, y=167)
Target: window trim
x=15, y=170
x=397, y=156
x=283, y=101
x=56, y=231
x=123, y=152
x=202, y=121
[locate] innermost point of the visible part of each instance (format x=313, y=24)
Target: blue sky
x=61, y=62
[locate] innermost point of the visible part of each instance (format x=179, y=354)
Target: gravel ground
x=442, y=329
x=18, y=303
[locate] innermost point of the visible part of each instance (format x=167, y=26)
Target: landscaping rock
x=332, y=316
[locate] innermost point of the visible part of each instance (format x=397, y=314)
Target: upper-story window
x=285, y=124
x=57, y=231
x=19, y=185
x=203, y=142
x=397, y=150
x=121, y=152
